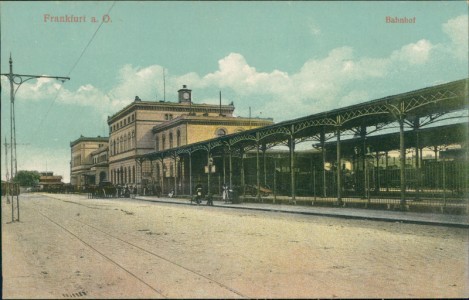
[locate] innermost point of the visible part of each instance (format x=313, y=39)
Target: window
x=178, y=138
x=163, y=142
x=170, y=140
x=129, y=144
x=157, y=144
x=220, y=132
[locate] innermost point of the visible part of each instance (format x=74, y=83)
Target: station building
x=143, y=127
x=146, y=126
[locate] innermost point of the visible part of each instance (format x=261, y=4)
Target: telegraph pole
x=16, y=80
x=7, y=179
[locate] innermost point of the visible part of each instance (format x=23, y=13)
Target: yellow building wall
x=197, y=133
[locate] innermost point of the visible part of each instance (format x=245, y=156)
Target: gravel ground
x=68, y=246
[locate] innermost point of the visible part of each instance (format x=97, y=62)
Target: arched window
x=129, y=146
x=117, y=148
x=163, y=142
x=220, y=132
x=178, y=138
x=157, y=144
x=125, y=142
x=121, y=145
x=170, y=140
x=133, y=142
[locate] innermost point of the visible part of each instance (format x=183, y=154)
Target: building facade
x=147, y=126
x=88, y=155
x=100, y=165
x=173, y=174
x=50, y=182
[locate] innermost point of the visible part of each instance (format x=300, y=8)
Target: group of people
x=229, y=194
x=126, y=191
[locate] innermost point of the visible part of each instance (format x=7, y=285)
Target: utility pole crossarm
x=36, y=76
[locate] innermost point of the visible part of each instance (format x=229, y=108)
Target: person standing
x=225, y=195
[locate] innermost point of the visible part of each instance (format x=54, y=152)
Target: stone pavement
x=461, y=221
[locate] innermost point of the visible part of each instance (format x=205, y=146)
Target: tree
x=27, y=178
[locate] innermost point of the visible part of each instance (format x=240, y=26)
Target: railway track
x=166, y=277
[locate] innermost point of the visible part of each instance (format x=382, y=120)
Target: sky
x=281, y=60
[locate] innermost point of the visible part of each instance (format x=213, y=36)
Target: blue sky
x=283, y=59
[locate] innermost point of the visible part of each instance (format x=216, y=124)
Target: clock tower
x=185, y=95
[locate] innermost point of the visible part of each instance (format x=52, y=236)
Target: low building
x=85, y=151
x=49, y=182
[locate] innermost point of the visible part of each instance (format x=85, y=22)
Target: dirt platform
x=67, y=246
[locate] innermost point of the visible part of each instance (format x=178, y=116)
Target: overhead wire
x=73, y=68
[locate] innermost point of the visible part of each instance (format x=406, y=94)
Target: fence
x=437, y=185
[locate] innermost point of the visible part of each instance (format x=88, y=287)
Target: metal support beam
x=292, y=167
x=402, y=162
x=258, y=175
x=243, y=183
x=339, y=169
x=275, y=179
x=175, y=173
x=416, y=128
x=162, y=174
x=230, y=166
x=264, y=149
x=363, y=133
x=208, y=173
x=190, y=174
x=224, y=166
x=323, y=148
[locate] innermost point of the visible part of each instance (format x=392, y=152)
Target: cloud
x=457, y=31
x=35, y=90
x=320, y=84
x=414, y=53
x=133, y=81
x=235, y=73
